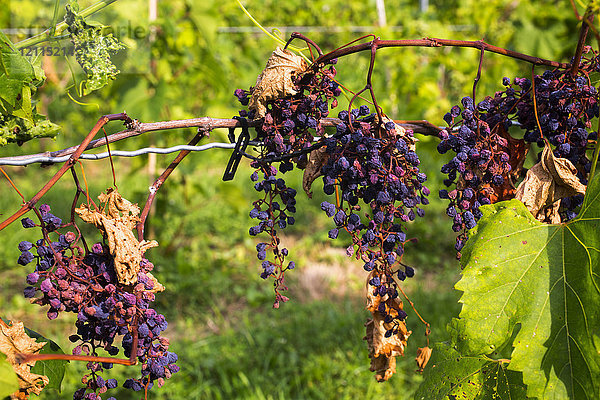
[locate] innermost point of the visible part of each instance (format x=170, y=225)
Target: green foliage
x=92, y=50
x=53, y=369
x=19, y=79
x=8, y=378
x=456, y=376
x=541, y=281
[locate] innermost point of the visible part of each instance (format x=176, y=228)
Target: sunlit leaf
x=451, y=375
x=542, y=280
x=9, y=383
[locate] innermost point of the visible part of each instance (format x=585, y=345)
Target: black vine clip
x=238, y=151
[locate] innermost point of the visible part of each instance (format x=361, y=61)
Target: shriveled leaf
x=384, y=350
x=276, y=80
x=411, y=141
x=423, y=355
x=116, y=220
x=92, y=50
x=13, y=342
x=451, y=375
x=156, y=285
x=546, y=183
x=316, y=160
x=9, y=382
x=544, y=281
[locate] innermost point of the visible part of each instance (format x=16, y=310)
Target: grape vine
x=499, y=187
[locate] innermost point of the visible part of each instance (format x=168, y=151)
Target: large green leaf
x=452, y=375
x=8, y=378
x=542, y=280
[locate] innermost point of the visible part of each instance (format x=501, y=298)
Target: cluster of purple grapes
x=289, y=126
x=273, y=214
x=488, y=160
x=479, y=173
x=566, y=106
x=375, y=164
x=71, y=279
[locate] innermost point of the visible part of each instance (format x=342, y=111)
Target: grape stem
x=12, y=184
x=478, y=77
x=586, y=21
x=436, y=42
x=60, y=27
x=412, y=305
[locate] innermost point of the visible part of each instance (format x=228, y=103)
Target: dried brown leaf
x=158, y=287
x=276, y=80
x=384, y=350
x=116, y=221
x=423, y=356
x=14, y=341
x=316, y=160
x=546, y=183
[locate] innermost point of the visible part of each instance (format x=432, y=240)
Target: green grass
x=302, y=351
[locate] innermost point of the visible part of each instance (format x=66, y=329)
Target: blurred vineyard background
x=184, y=60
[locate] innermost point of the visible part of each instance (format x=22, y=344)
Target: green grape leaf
x=542, y=281
x=12, y=64
x=8, y=378
x=53, y=369
x=25, y=111
x=19, y=130
x=450, y=375
x=19, y=78
x=92, y=50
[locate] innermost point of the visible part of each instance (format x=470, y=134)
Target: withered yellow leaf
x=384, y=350
x=546, y=183
x=14, y=341
x=316, y=160
x=116, y=220
x=423, y=356
x=276, y=80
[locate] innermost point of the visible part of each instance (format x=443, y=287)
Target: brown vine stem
x=478, y=77
x=418, y=126
x=12, y=184
x=435, y=42
x=585, y=27
x=370, y=85
x=309, y=42
x=161, y=179
x=427, y=325
x=574, y=7
x=66, y=166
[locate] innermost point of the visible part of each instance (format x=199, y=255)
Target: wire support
x=118, y=153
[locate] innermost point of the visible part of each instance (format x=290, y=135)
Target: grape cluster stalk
x=70, y=278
